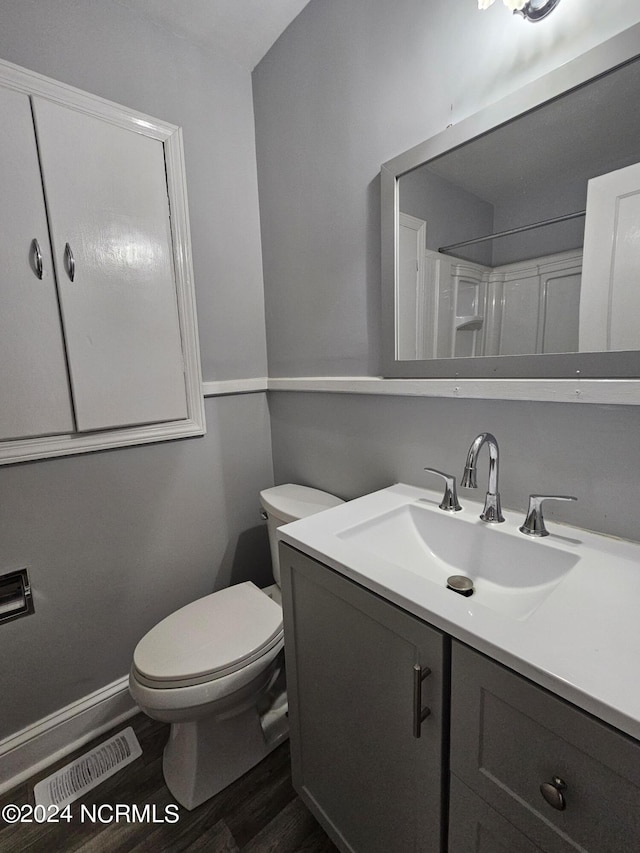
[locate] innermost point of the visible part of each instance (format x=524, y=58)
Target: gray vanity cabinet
x=474, y=827
x=355, y=700
x=523, y=771
x=509, y=738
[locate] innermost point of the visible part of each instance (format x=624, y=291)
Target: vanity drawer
x=474, y=827
x=509, y=737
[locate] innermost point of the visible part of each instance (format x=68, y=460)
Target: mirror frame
x=601, y=60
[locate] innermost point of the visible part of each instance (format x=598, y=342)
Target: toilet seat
x=209, y=639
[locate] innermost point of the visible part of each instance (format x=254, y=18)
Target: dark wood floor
x=260, y=813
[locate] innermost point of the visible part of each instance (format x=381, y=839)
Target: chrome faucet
x=492, y=511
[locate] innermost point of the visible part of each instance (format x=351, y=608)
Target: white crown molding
x=32, y=83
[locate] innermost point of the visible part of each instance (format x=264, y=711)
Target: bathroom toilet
x=214, y=670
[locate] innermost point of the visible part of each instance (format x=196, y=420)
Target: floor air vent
x=83, y=774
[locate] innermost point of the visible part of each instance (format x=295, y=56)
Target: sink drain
x=460, y=584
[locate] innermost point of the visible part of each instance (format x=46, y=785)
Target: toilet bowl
x=214, y=671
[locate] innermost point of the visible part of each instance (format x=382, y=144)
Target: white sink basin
x=510, y=572
x=561, y=610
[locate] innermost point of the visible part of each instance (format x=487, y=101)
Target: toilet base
x=203, y=756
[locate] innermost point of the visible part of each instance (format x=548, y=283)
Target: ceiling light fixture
x=532, y=10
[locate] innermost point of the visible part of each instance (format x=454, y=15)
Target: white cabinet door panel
x=610, y=298
x=34, y=388
x=106, y=196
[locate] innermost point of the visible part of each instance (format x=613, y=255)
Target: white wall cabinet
x=99, y=338
x=33, y=381
x=106, y=196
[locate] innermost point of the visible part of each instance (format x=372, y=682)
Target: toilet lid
x=211, y=637
x=291, y=502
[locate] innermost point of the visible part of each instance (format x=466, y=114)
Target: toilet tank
x=289, y=502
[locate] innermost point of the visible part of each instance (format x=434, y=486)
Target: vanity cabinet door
x=509, y=737
x=356, y=762
x=106, y=195
x=33, y=381
x=474, y=827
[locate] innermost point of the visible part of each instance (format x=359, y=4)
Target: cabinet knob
x=552, y=792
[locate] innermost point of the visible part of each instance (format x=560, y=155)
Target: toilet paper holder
x=16, y=598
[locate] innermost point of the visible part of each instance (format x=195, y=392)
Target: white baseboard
x=30, y=750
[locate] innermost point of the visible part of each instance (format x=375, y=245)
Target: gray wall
x=116, y=540
x=452, y=214
x=348, y=87
x=353, y=444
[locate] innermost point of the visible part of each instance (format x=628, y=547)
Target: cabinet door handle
x=419, y=713
x=37, y=254
x=70, y=262
x=552, y=792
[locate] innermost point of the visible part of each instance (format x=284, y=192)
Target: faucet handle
x=450, y=499
x=534, y=522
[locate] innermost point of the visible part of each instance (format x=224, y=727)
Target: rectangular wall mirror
x=511, y=241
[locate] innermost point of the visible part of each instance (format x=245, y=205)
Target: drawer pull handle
x=419, y=713
x=37, y=254
x=552, y=792
x=70, y=262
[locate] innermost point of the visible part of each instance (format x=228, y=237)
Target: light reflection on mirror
x=567, y=287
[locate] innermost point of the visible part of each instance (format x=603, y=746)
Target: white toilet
x=214, y=670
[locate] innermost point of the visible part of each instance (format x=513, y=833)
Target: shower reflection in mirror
x=529, y=254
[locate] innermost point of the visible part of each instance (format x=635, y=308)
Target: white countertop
x=582, y=642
